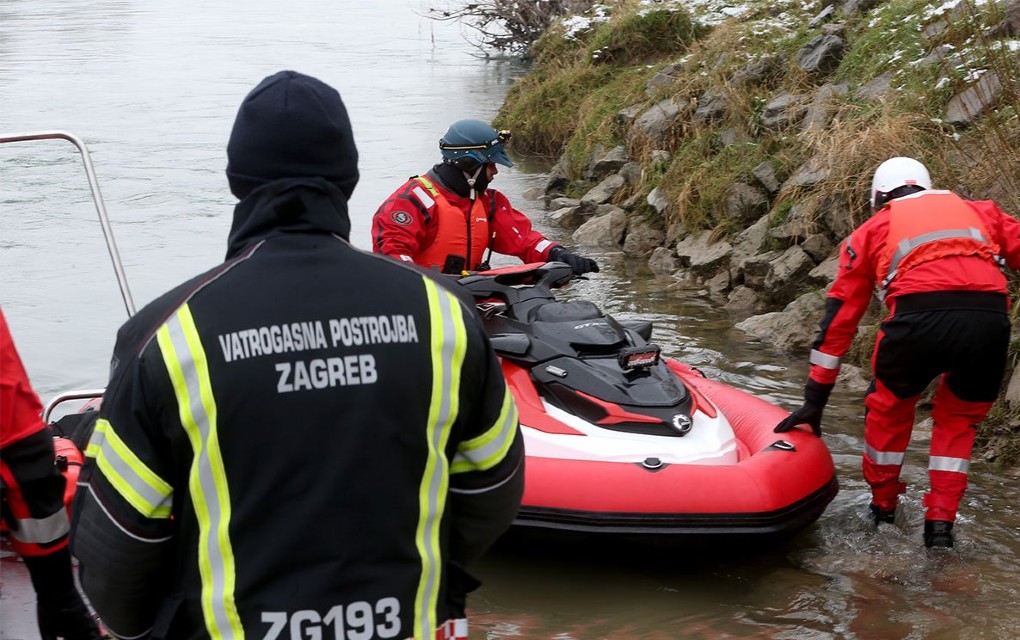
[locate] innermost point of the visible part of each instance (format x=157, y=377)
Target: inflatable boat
x=622, y=440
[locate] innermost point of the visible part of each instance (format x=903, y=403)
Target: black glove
x=816, y=396
x=61, y=611
x=578, y=264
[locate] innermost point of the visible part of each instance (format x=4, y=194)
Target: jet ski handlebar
x=519, y=282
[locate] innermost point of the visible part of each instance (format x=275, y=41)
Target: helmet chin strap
x=472, y=177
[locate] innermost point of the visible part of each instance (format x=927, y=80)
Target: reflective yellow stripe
x=188, y=368
x=448, y=341
x=425, y=182
x=142, y=488
x=489, y=449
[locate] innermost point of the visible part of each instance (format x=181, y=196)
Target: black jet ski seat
x=566, y=311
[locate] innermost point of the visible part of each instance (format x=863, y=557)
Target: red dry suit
x=936, y=261
x=33, y=487
x=426, y=223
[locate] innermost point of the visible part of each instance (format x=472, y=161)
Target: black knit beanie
x=291, y=126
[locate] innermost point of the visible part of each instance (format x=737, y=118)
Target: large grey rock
x=822, y=55
x=786, y=275
x=557, y=182
x=856, y=7
x=602, y=163
x=1012, y=396
x=743, y=298
x=748, y=244
x=792, y=329
x=800, y=223
x=663, y=261
x=733, y=135
x=818, y=246
x=823, y=107
x=631, y=173
x=765, y=174
x=757, y=267
x=744, y=203
x=642, y=238
x=602, y=193
x=878, y=89
x=967, y=106
x=566, y=217
x=821, y=18
x=761, y=71
x=664, y=79
x=825, y=272
x=656, y=123
x=658, y=201
x=627, y=115
x=783, y=111
x=712, y=105
x=602, y=231
x=719, y=284
x=701, y=255
x=808, y=174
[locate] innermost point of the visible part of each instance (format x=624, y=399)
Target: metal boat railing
x=97, y=198
x=111, y=245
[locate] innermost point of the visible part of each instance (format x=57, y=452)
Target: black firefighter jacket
x=306, y=439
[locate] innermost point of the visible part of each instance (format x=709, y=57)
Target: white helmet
x=895, y=173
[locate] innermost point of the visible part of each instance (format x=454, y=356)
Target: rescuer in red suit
x=937, y=262
x=33, y=501
x=448, y=219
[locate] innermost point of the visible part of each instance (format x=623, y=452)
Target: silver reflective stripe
x=423, y=197
x=909, y=244
x=944, y=463
x=824, y=360
x=541, y=246
x=209, y=498
x=489, y=449
x=42, y=530
x=884, y=457
x=449, y=342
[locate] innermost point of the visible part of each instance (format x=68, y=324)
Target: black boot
x=938, y=533
x=879, y=515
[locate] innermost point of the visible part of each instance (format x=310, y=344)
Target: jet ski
x=621, y=439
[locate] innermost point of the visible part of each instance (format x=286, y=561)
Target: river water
x=153, y=89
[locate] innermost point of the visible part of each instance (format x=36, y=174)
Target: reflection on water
x=153, y=88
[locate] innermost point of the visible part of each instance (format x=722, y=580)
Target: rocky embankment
x=773, y=269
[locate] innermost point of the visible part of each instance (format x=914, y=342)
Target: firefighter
x=33, y=502
x=937, y=263
x=307, y=439
x=451, y=221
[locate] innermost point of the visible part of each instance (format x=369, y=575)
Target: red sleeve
x=513, y=234
x=401, y=226
x=20, y=408
x=1004, y=228
x=848, y=298
x=33, y=487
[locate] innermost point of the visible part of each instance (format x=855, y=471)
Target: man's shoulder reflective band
x=150, y=495
x=490, y=448
x=884, y=457
x=824, y=360
x=944, y=463
x=41, y=530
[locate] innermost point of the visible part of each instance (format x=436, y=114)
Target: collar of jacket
x=452, y=179
x=289, y=205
